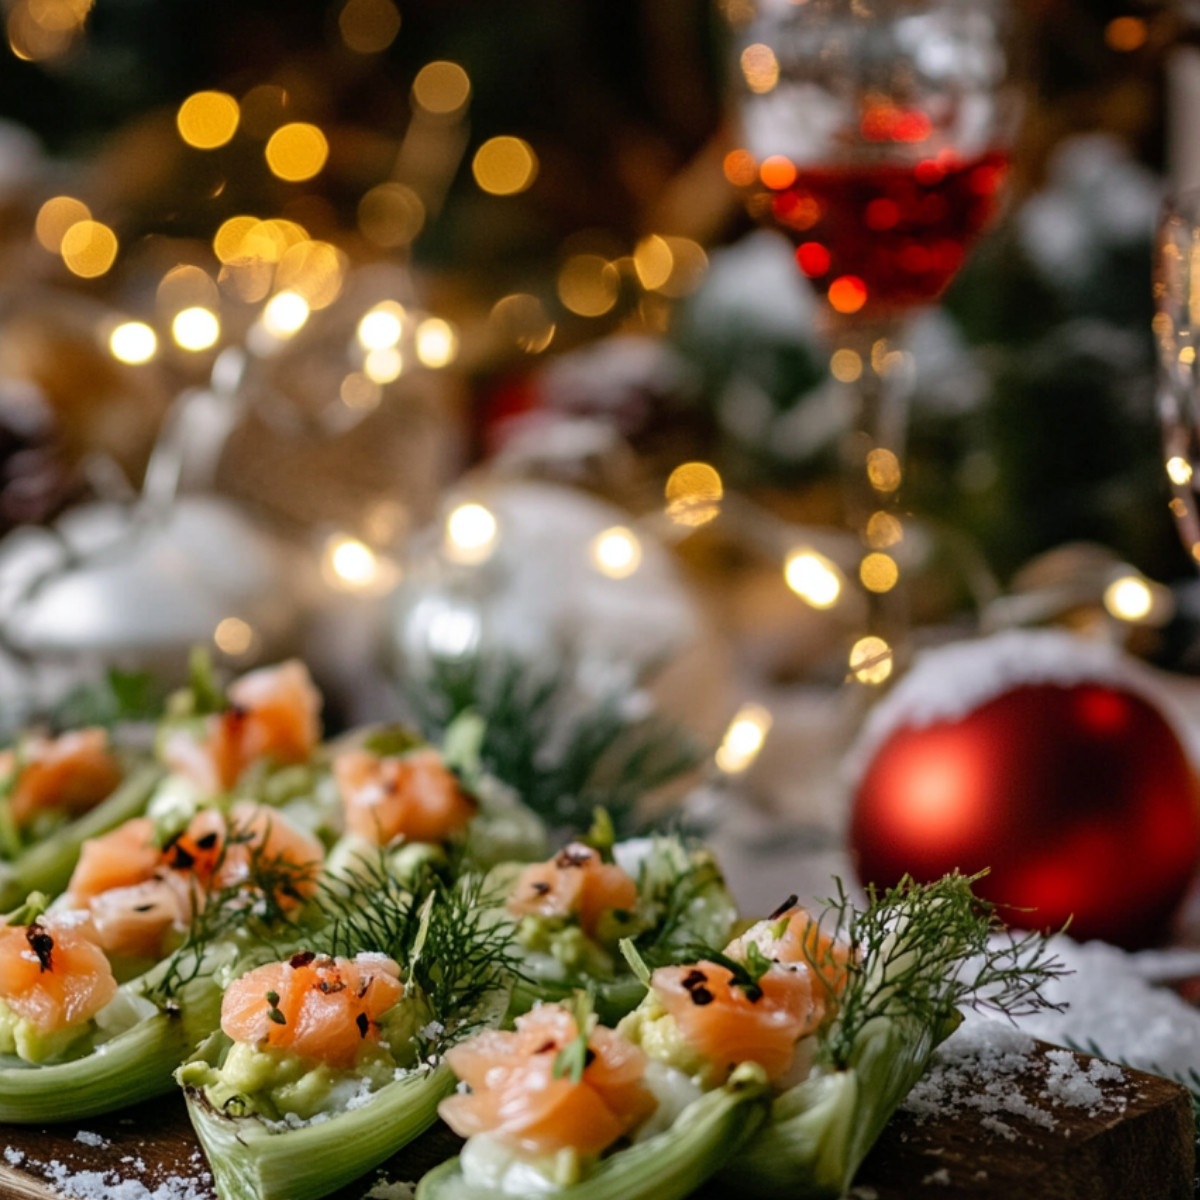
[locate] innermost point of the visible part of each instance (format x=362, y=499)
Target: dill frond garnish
x=674, y=895
x=563, y=753
x=453, y=940
x=261, y=902
x=919, y=952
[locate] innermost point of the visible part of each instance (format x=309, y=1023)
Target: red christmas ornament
x=1046, y=760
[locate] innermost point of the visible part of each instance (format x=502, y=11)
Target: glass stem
x=879, y=386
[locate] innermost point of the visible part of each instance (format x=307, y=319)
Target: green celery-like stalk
x=917, y=954
x=47, y=866
x=252, y=1160
x=132, y=1066
x=667, y=1166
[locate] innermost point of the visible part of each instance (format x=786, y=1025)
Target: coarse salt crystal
x=86, y=1138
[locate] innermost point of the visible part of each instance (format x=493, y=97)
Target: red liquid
x=882, y=237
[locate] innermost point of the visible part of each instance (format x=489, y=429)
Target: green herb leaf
x=391, y=741
x=572, y=1059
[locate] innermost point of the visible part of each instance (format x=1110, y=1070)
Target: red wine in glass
x=880, y=237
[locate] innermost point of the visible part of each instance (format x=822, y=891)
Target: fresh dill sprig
x=564, y=757
x=918, y=952
x=452, y=939
x=263, y=900
x=673, y=895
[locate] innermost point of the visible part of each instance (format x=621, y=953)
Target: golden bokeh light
x=871, y=660
x=285, y=314
x=694, y=492
x=382, y=326
x=385, y=364
x=504, y=166
x=744, y=739
x=689, y=265
x=350, y=564
x=297, y=151
x=878, y=572
x=230, y=238
x=314, y=270
x=846, y=366
x=616, y=552
x=206, y=120
x=471, y=532
x=1179, y=470
x=133, y=342
x=186, y=286
x=233, y=636
x=653, y=262
x=55, y=217
x=391, y=215
x=883, y=530
x=196, y=329
x=813, y=578
x=883, y=470
x=369, y=26
x=1129, y=598
x=1187, y=355
x=59, y=16
x=588, y=285
x=522, y=319
x=359, y=393
x=760, y=68
x=89, y=249
x=436, y=343
x=441, y=87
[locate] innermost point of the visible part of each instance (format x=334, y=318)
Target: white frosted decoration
x=795, y=119
x=754, y=284
x=163, y=589
x=539, y=593
x=1111, y=1006
x=948, y=683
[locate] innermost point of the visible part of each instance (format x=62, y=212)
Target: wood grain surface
x=1144, y=1152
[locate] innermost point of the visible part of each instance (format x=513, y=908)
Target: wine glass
x=875, y=135
x=1177, y=332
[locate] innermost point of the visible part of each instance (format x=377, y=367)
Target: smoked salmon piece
x=576, y=881
x=413, y=796
x=516, y=1097
x=318, y=1007
x=273, y=714
x=70, y=774
x=256, y=830
x=793, y=936
x=730, y=1024
x=52, y=974
x=121, y=858
x=139, y=895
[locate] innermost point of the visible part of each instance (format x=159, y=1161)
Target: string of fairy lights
x=274, y=262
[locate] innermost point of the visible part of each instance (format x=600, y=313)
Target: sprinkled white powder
x=947, y=683
x=1112, y=1010
x=108, y=1185
x=987, y=1067
x=941, y=1175
x=86, y=1138
x=14, y=1156
x=391, y=1191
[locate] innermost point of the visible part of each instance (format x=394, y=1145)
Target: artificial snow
x=87, y=1138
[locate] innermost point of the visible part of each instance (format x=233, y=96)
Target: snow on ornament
x=1050, y=761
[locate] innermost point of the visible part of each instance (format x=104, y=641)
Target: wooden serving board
x=1144, y=1152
